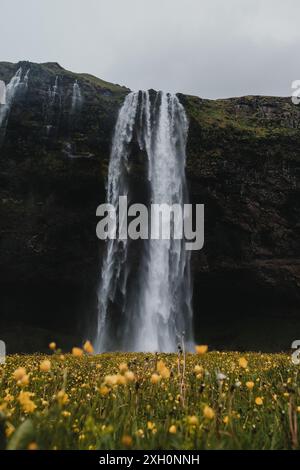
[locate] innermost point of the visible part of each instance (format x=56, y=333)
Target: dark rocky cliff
x=243, y=164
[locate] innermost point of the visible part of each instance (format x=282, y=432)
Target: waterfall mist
x=145, y=305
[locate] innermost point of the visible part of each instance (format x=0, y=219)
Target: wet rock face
x=243, y=164
x=52, y=177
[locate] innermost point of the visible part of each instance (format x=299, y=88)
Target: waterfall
x=164, y=309
x=53, y=106
x=116, y=250
x=154, y=306
x=76, y=97
x=53, y=91
x=2, y=93
x=9, y=94
x=26, y=79
x=11, y=89
x=55, y=86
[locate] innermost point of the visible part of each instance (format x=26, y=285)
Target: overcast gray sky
x=210, y=48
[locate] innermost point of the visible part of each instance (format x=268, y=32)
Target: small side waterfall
x=53, y=105
x=76, y=98
x=11, y=89
x=26, y=79
x=2, y=93
x=154, y=309
x=53, y=91
x=16, y=83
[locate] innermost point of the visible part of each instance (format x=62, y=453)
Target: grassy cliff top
x=7, y=70
x=247, y=117
x=260, y=115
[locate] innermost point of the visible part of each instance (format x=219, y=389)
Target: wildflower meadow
x=205, y=400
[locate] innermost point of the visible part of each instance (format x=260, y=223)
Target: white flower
x=221, y=376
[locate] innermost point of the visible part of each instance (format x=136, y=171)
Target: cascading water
x=26, y=79
x=164, y=307
x=11, y=89
x=155, y=305
x=76, y=97
x=15, y=84
x=2, y=93
x=53, y=91
x=53, y=106
x=116, y=251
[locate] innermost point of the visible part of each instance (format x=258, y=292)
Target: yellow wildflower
x=126, y=441
x=121, y=379
x=45, y=366
x=201, y=349
x=62, y=397
x=250, y=385
x=24, y=381
x=32, y=446
x=160, y=365
x=88, y=347
x=110, y=380
x=243, y=362
x=208, y=412
x=150, y=425
x=129, y=376
x=155, y=378
x=52, y=346
x=123, y=367
x=165, y=373
x=258, y=401
x=77, y=352
x=25, y=400
x=163, y=369
x=103, y=390
x=192, y=420
x=172, y=429
x=19, y=373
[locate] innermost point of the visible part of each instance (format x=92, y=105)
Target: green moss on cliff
x=256, y=115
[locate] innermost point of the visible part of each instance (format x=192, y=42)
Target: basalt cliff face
x=243, y=163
